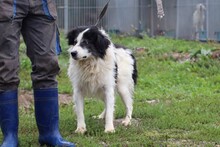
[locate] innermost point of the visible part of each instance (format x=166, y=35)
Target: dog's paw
x=101, y=116
x=80, y=130
x=95, y=117
x=109, y=130
x=126, y=121
x=98, y=117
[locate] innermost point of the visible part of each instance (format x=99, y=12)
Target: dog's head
x=200, y=7
x=87, y=42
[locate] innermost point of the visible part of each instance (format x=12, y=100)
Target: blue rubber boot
x=9, y=118
x=47, y=118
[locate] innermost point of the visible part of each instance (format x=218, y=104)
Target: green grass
x=187, y=93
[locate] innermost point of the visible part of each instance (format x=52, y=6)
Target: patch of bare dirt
x=26, y=99
x=216, y=54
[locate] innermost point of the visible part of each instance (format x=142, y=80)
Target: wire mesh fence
x=132, y=16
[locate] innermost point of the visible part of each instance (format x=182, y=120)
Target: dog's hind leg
x=126, y=94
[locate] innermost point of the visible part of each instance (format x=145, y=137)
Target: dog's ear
x=102, y=43
x=73, y=34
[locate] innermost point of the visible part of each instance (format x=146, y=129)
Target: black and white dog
x=98, y=67
x=199, y=19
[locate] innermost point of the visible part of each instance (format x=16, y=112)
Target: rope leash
x=160, y=11
x=102, y=13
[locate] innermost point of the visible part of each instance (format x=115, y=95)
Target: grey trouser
x=36, y=21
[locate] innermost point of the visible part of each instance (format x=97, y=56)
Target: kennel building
x=132, y=16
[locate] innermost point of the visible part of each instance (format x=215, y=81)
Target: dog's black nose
x=74, y=54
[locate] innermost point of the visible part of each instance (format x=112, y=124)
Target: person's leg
x=9, y=44
x=47, y=117
x=10, y=26
x=40, y=36
x=39, y=32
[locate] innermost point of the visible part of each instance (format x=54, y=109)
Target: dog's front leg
x=109, y=108
x=79, y=108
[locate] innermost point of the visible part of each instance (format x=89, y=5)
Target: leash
x=160, y=11
x=102, y=13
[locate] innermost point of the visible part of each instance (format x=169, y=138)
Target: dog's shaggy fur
x=97, y=68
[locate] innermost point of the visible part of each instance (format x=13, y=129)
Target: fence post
x=177, y=18
x=152, y=18
x=207, y=20
x=66, y=16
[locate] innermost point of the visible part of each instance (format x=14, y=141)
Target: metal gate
x=130, y=16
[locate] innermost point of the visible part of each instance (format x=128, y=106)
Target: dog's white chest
x=92, y=77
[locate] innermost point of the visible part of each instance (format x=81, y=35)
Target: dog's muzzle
x=75, y=56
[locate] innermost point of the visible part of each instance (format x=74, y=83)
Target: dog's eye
x=85, y=42
x=74, y=43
